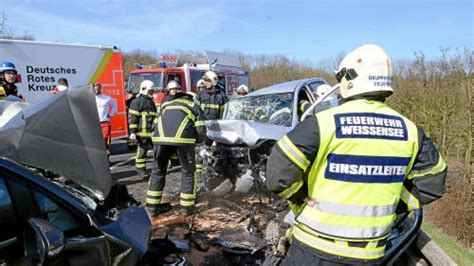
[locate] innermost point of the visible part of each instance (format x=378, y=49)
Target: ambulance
x=41, y=64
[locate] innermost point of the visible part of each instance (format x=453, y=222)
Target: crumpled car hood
x=60, y=134
x=243, y=132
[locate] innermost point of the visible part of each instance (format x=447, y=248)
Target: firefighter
x=212, y=101
x=141, y=114
x=170, y=90
x=242, y=90
x=178, y=128
x=8, y=79
x=353, y=165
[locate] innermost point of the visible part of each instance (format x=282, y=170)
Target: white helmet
x=146, y=86
x=200, y=83
x=173, y=85
x=367, y=69
x=212, y=76
x=243, y=88
x=324, y=89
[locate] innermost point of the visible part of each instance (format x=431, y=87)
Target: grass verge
x=460, y=254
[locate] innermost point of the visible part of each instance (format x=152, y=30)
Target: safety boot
x=158, y=209
x=186, y=210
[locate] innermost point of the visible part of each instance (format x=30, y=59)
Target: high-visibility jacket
x=357, y=162
x=180, y=122
x=212, y=103
x=7, y=89
x=141, y=113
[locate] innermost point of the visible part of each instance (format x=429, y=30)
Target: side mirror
x=43, y=240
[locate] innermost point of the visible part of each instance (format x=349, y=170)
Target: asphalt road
x=122, y=166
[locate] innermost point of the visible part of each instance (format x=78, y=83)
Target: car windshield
x=274, y=109
x=135, y=79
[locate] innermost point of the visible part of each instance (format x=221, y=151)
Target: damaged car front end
x=244, y=137
x=84, y=219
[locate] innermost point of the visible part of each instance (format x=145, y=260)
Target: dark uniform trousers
x=144, y=144
x=162, y=155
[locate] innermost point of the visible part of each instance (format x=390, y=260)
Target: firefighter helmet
x=243, y=89
x=212, y=76
x=146, y=87
x=173, y=85
x=324, y=89
x=366, y=70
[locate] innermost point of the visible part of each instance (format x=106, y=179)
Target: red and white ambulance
x=41, y=64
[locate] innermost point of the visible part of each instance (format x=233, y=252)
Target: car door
x=22, y=200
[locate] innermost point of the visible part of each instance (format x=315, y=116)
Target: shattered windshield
x=135, y=79
x=274, y=109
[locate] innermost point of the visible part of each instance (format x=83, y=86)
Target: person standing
x=347, y=170
x=178, y=128
x=62, y=86
x=8, y=79
x=107, y=108
x=212, y=101
x=141, y=114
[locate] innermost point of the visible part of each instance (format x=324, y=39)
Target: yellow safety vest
x=3, y=94
x=366, y=152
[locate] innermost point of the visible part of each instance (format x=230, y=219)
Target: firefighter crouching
x=355, y=165
x=178, y=128
x=141, y=114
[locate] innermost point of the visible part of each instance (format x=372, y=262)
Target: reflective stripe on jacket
x=180, y=122
x=141, y=114
x=353, y=161
x=212, y=103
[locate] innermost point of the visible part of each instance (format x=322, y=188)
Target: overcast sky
x=299, y=29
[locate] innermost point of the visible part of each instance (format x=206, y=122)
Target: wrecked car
x=82, y=220
x=250, y=126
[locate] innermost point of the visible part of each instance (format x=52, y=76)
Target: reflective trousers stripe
x=340, y=249
x=293, y=153
x=186, y=203
x=153, y=201
x=154, y=193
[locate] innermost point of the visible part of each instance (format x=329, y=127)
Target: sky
x=303, y=30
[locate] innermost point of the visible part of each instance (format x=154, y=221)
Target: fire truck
x=187, y=70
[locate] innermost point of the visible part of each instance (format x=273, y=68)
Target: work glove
x=132, y=136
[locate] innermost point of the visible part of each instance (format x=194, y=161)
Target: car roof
x=284, y=87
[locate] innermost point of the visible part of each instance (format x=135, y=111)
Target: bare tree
x=7, y=33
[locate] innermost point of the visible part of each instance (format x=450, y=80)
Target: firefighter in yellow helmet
x=141, y=114
x=354, y=165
